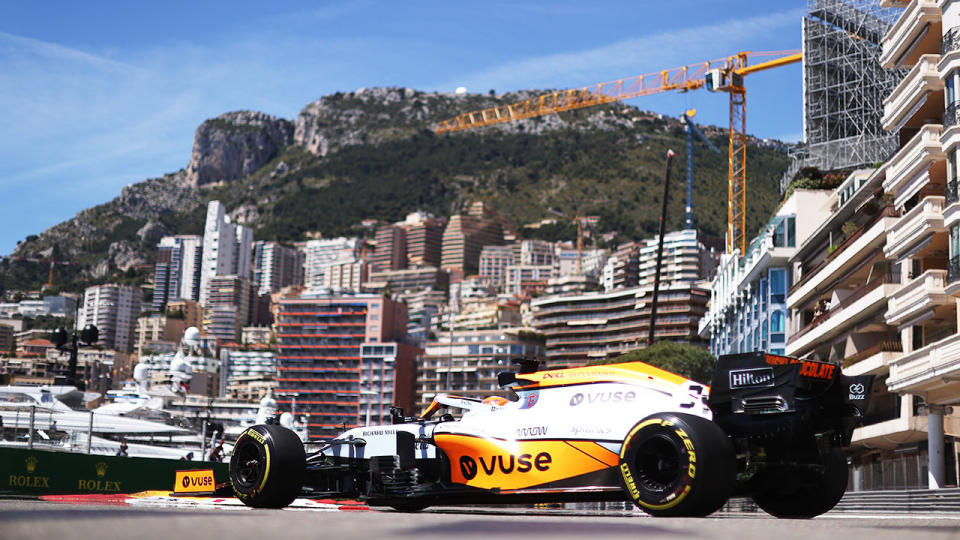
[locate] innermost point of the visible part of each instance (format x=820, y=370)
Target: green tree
x=683, y=359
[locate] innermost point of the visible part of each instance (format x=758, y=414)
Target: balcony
x=933, y=370
x=873, y=360
x=915, y=33
x=909, y=168
x=855, y=308
x=953, y=277
x=917, y=297
x=919, y=95
x=914, y=227
x=865, y=240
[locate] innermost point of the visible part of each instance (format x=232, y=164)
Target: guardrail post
x=33, y=414
x=90, y=433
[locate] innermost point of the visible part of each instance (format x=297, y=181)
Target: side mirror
x=89, y=334
x=58, y=337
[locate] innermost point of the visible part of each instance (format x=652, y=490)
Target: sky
x=98, y=95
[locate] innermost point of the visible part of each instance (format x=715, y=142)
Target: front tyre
x=675, y=464
x=267, y=466
x=804, y=492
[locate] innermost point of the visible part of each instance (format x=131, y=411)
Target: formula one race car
x=771, y=427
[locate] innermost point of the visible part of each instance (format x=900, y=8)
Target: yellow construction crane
x=721, y=75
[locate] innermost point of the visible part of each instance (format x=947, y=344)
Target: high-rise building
x=319, y=363
x=388, y=378
x=275, y=267
x=391, y=249
x=466, y=235
x=605, y=325
x=320, y=254
x=622, y=269
x=113, y=309
x=424, y=239
x=226, y=248
x=685, y=258
x=494, y=261
x=228, y=307
x=177, y=271
x=878, y=283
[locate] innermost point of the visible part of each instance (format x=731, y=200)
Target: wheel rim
x=658, y=463
x=249, y=464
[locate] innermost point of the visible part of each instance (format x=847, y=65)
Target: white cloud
x=633, y=56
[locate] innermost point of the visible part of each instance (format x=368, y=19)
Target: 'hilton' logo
x=741, y=378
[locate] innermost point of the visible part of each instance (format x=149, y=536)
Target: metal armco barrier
x=44, y=472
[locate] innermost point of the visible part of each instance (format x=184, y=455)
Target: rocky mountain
x=371, y=153
x=234, y=145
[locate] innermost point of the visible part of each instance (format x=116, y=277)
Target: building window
x=954, y=247
x=778, y=286
x=776, y=321
x=763, y=294
x=950, y=88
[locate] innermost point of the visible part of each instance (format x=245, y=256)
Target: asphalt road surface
x=21, y=519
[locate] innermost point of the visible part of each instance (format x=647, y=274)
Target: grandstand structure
x=844, y=86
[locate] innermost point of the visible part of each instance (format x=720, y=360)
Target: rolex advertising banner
x=44, y=472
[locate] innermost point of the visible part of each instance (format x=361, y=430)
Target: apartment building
x=408, y=280
x=388, y=378
x=158, y=327
x=321, y=254
x=113, y=309
x=748, y=302
x=275, y=267
x=685, y=258
x=177, y=270
x=494, y=261
x=227, y=248
x=391, y=249
x=921, y=180
x=466, y=363
x=319, y=363
x=423, y=307
x=424, y=239
x=607, y=324
x=237, y=367
x=228, y=307
x=465, y=236
x=622, y=269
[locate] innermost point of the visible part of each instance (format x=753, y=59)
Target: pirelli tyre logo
x=751, y=378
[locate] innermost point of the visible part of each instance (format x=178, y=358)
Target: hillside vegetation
x=347, y=162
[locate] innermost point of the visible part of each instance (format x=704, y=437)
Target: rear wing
x=752, y=393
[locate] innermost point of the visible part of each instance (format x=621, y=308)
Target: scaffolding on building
x=844, y=86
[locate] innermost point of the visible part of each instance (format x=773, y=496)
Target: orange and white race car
x=771, y=427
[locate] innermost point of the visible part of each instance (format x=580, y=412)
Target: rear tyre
x=805, y=492
x=675, y=464
x=267, y=466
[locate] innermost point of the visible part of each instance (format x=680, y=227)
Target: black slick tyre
x=267, y=466
x=804, y=492
x=676, y=464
